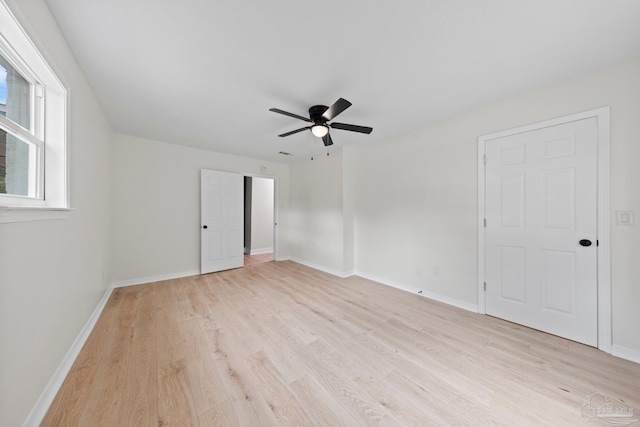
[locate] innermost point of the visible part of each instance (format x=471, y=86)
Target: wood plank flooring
x=259, y=258
x=278, y=343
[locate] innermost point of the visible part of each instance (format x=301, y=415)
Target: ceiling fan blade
x=286, y=113
x=352, y=128
x=327, y=140
x=338, y=107
x=296, y=131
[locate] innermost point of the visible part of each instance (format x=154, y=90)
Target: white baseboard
x=151, y=279
x=46, y=398
x=49, y=393
x=260, y=251
x=626, y=353
x=428, y=294
x=425, y=293
x=341, y=274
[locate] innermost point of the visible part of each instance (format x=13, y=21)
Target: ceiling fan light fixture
x=319, y=115
x=319, y=130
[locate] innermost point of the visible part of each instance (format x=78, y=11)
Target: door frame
x=602, y=116
x=275, y=208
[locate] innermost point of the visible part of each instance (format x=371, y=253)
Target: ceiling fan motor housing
x=316, y=112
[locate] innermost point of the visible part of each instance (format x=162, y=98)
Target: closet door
x=541, y=228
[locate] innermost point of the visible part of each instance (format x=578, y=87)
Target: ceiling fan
x=320, y=115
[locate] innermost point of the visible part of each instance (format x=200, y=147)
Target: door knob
x=204, y=226
x=585, y=242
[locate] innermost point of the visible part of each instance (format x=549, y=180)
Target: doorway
x=543, y=227
x=259, y=219
x=222, y=217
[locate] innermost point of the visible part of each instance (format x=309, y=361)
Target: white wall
x=261, y=215
x=317, y=221
x=156, y=211
x=415, y=207
x=415, y=197
x=348, y=209
x=53, y=273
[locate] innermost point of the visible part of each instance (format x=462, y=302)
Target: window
x=33, y=115
x=19, y=146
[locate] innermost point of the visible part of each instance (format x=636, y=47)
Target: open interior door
x=221, y=221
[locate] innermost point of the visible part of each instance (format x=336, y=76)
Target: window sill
x=22, y=213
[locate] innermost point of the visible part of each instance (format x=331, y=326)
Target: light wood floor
x=281, y=344
x=257, y=259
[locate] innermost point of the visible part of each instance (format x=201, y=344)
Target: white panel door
x=540, y=204
x=222, y=221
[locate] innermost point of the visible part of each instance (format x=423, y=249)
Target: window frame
x=34, y=135
x=49, y=123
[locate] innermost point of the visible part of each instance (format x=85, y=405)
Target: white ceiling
x=204, y=73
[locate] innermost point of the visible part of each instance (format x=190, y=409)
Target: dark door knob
x=585, y=242
x=204, y=226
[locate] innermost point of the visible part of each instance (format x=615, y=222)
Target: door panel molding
x=602, y=116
